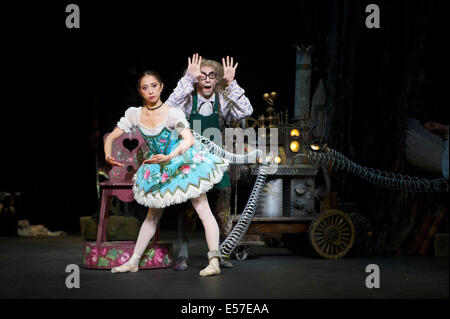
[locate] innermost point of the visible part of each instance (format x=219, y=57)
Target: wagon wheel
x=251, y=122
x=332, y=234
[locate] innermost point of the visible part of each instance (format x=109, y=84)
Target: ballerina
x=177, y=169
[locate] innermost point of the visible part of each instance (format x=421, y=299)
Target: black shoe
x=226, y=264
x=181, y=264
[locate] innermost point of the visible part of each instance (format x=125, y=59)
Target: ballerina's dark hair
x=145, y=73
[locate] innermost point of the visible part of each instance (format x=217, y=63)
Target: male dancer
x=209, y=93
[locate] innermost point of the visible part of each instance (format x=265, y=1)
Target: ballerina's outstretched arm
x=116, y=133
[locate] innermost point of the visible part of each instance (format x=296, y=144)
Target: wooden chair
x=130, y=150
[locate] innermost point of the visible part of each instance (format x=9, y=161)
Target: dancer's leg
x=146, y=233
x=212, y=235
x=203, y=210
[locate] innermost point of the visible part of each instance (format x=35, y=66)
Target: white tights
x=209, y=222
x=150, y=224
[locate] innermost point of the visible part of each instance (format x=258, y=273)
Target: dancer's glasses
x=212, y=75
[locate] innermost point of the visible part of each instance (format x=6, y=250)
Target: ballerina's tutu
x=184, y=177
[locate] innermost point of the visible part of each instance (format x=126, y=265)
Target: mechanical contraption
x=285, y=202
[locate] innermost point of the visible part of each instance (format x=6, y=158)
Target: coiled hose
x=378, y=177
x=239, y=230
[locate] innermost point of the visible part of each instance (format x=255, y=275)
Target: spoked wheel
x=332, y=234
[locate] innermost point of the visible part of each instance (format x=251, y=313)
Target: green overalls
x=207, y=122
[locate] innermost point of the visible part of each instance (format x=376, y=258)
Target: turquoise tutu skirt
x=184, y=177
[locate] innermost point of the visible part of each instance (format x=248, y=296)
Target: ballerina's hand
x=155, y=159
x=112, y=161
x=194, y=65
x=229, y=70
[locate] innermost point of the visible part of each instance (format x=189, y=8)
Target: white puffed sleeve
x=130, y=119
x=176, y=120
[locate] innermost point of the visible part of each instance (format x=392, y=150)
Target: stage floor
x=35, y=268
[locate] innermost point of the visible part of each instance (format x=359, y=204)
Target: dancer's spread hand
x=112, y=161
x=229, y=70
x=194, y=65
x=158, y=158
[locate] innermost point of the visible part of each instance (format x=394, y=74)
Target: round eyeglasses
x=212, y=75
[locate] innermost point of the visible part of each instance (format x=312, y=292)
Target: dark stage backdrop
x=57, y=81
